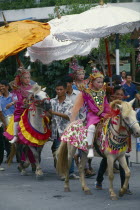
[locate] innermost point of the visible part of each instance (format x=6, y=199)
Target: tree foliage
x=22, y=4
x=47, y=75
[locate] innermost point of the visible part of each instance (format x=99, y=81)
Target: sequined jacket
x=96, y=105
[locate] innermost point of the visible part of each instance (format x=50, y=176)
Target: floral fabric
x=58, y=123
x=76, y=133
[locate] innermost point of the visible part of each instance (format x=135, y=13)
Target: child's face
x=98, y=83
x=25, y=79
x=119, y=94
x=80, y=76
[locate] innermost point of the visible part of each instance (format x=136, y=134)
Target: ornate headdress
x=17, y=81
x=95, y=74
x=74, y=67
x=20, y=72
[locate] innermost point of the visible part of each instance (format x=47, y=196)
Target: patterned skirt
x=76, y=134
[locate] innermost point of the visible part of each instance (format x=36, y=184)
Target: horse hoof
x=26, y=165
x=24, y=173
x=114, y=198
x=19, y=168
x=121, y=194
x=88, y=192
x=67, y=190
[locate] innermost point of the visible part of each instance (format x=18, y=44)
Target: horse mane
x=126, y=107
x=114, y=104
x=35, y=88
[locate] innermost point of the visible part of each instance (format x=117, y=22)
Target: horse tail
x=62, y=159
x=11, y=155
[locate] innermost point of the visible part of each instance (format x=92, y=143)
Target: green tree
x=48, y=75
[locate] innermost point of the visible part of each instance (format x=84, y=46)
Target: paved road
x=25, y=192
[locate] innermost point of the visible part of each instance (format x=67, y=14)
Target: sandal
x=92, y=171
x=89, y=173
x=98, y=186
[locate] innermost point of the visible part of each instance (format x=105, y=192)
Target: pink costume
x=81, y=133
x=22, y=94
x=96, y=105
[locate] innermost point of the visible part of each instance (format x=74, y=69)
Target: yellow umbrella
x=19, y=35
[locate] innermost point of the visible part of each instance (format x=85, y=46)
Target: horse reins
x=111, y=125
x=130, y=126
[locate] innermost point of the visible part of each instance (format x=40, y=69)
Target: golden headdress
x=17, y=81
x=21, y=71
x=95, y=74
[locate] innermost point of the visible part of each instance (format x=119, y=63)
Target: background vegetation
x=47, y=75
x=22, y=4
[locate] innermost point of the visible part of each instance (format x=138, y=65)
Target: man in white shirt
x=72, y=95
x=61, y=111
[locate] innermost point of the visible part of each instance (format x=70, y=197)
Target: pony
x=33, y=131
x=111, y=141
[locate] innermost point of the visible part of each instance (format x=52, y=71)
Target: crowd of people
x=76, y=98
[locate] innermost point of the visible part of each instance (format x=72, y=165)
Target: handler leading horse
x=33, y=130
x=111, y=138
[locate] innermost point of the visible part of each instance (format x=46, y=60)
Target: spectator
x=61, y=111
x=123, y=77
x=7, y=101
x=116, y=80
x=1, y=147
x=130, y=89
x=1, y=138
x=72, y=94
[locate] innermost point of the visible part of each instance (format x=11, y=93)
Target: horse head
x=40, y=97
x=128, y=115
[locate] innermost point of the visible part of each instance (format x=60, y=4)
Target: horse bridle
x=38, y=103
x=117, y=131
x=130, y=125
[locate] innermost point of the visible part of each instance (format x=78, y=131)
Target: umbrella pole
x=5, y=22
x=117, y=55
x=108, y=61
x=20, y=64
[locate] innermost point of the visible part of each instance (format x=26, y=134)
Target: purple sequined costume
x=96, y=105
x=22, y=93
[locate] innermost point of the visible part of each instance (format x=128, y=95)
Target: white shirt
x=72, y=98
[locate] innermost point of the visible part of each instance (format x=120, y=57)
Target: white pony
x=111, y=141
x=33, y=129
